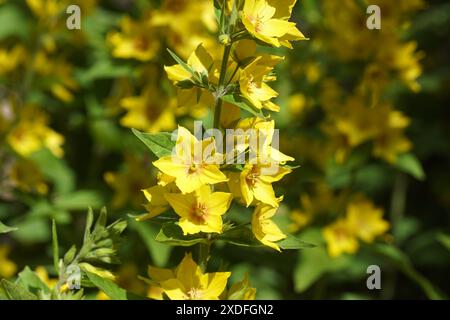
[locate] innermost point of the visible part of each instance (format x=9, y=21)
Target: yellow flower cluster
x=362, y=221
x=189, y=181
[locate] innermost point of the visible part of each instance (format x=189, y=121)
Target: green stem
x=203, y=254
x=221, y=86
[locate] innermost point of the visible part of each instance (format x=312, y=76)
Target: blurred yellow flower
x=136, y=40
x=340, y=238
x=362, y=221
x=366, y=220
x=26, y=177
x=151, y=111
x=11, y=59
x=128, y=182
x=7, y=267
x=32, y=134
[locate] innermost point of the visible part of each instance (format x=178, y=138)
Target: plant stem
x=221, y=87
x=203, y=255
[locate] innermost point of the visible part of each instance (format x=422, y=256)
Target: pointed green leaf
x=15, y=291
x=55, y=247
x=32, y=282
x=171, y=234
x=160, y=144
x=409, y=163
x=293, y=243
x=5, y=228
x=111, y=289
x=243, y=104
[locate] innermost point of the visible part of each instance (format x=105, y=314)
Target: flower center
x=252, y=176
x=142, y=43
x=256, y=22
x=251, y=87
x=199, y=212
x=193, y=168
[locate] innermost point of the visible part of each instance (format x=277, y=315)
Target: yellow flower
x=188, y=282
x=299, y=219
x=151, y=111
x=136, y=40
x=177, y=18
x=340, y=238
x=391, y=140
x=57, y=73
x=157, y=201
x=7, y=267
x=200, y=211
x=10, y=59
x=190, y=166
x=264, y=229
x=25, y=176
x=258, y=135
x=253, y=87
x=32, y=134
x=257, y=185
x=128, y=183
x=268, y=21
x=366, y=220
x=45, y=9
x=202, y=63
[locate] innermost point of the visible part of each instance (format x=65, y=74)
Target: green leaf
x=14, y=291
x=111, y=289
x=55, y=247
x=14, y=22
x=6, y=229
x=32, y=282
x=55, y=169
x=78, y=200
x=444, y=239
x=294, y=243
x=89, y=221
x=70, y=255
x=243, y=236
x=102, y=69
x=160, y=144
x=403, y=263
x=315, y=263
x=159, y=252
x=32, y=230
x=243, y=104
x=171, y=234
x=240, y=236
x=409, y=163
